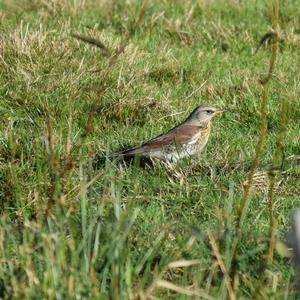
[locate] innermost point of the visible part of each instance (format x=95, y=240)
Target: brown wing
x=179, y=135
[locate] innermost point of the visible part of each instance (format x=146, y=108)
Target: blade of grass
x=243, y=208
x=221, y=264
x=277, y=159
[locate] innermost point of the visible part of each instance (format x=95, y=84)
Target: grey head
x=203, y=114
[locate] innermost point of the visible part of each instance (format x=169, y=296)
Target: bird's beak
x=220, y=111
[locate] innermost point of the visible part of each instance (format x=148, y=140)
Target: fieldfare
x=184, y=140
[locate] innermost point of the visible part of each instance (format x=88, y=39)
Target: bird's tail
x=126, y=152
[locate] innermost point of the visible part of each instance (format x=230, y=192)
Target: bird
x=184, y=140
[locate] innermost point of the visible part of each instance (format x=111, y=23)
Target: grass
x=71, y=231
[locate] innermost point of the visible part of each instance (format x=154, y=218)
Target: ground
x=73, y=229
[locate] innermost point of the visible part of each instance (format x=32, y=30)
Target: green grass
x=71, y=232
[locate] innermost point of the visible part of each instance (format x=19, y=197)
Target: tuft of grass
x=69, y=230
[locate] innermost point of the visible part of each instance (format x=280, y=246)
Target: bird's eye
x=209, y=111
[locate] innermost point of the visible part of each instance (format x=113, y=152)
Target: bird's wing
x=178, y=135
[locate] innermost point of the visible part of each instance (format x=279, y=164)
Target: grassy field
x=71, y=231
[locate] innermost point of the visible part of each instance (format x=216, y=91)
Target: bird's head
x=204, y=114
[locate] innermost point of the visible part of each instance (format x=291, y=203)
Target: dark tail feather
x=122, y=153
x=126, y=152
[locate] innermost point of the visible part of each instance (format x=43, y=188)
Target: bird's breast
x=202, y=137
